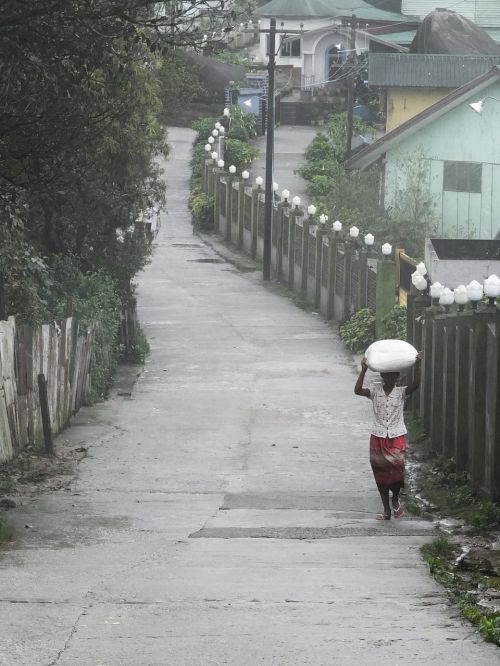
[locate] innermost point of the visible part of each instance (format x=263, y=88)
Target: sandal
x=399, y=511
x=382, y=516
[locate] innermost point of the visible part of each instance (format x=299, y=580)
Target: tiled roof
x=426, y=70
x=329, y=9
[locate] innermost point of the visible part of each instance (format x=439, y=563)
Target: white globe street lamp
x=296, y=201
x=354, y=232
x=311, y=209
x=259, y=181
x=492, y=288
x=421, y=269
x=285, y=194
x=460, y=296
x=337, y=226
x=226, y=112
x=475, y=293
x=435, y=291
x=214, y=156
x=220, y=164
x=369, y=240
x=386, y=250
x=276, y=187
x=208, y=147
x=232, y=169
x=447, y=298
x=211, y=140
x=418, y=281
x=215, y=132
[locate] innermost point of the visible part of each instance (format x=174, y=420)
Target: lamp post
x=386, y=250
x=337, y=226
x=446, y=299
x=478, y=106
x=475, y=293
x=259, y=181
x=491, y=289
x=418, y=281
x=285, y=194
x=435, y=292
x=460, y=296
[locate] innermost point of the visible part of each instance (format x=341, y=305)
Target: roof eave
x=368, y=155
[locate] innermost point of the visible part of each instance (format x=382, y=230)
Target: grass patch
x=462, y=586
x=138, y=352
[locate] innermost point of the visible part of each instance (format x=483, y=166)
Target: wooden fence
x=336, y=274
x=459, y=398
x=62, y=353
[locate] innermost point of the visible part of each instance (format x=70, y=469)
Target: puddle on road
x=207, y=261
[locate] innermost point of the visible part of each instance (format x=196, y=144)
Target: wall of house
x=404, y=103
x=459, y=135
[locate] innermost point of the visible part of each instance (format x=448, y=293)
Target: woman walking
x=388, y=438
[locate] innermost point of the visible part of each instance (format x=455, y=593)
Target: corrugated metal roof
x=485, y=13
x=426, y=70
x=330, y=9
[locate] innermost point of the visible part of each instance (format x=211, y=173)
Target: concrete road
x=224, y=514
x=290, y=142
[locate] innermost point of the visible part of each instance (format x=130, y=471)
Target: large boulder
x=445, y=31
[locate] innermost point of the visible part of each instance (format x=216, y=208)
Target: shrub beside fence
x=62, y=353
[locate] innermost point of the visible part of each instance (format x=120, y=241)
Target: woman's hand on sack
x=419, y=358
x=364, y=364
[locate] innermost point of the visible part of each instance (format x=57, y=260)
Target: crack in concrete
x=68, y=640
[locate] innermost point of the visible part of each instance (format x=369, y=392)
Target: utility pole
x=268, y=187
x=350, y=85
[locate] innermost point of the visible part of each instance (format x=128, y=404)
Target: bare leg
x=384, y=494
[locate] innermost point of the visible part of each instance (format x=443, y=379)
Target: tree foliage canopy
x=80, y=110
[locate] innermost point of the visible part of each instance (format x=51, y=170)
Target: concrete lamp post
x=386, y=250
x=460, y=296
x=491, y=289
x=475, y=293
x=446, y=298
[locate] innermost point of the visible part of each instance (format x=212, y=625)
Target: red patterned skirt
x=387, y=458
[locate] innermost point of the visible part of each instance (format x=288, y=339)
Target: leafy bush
x=202, y=211
x=394, y=324
x=239, y=153
x=359, y=332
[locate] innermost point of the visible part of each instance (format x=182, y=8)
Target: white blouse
x=388, y=411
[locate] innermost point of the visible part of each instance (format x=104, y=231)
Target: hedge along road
x=224, y=514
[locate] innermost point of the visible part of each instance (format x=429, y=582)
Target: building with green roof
x=315, y=46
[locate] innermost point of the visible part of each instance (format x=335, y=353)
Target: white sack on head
x=390, y=356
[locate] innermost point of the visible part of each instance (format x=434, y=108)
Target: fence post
x=386, y=290
x=460, y=436
x=256, y=192
x=291, y=248
x=332, y=272
x=240, y=211
x=306, y=224
x=320, y=232
x=229, y=205
x=44, y=408
x=347, y=311
x=279, y=244
x=477, y=397
x=492, y=472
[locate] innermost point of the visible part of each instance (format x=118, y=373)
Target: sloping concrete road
x=224, y=514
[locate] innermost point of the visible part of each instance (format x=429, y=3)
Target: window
x=462, y=177
x=290, y=47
